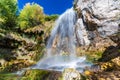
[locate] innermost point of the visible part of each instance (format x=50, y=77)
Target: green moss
x=94, y=56
x=35, y=75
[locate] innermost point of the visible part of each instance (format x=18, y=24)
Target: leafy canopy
x=31, y=15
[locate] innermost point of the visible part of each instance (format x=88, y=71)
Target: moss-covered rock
x=41, y=75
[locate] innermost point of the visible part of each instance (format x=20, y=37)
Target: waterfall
x=63, y=39
x=62, y=36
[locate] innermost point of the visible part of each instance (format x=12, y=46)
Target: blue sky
x=50, y=6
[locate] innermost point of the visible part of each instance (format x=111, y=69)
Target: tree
x=31, y=15
x=8, y=13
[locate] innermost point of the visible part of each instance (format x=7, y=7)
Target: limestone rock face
x=98, y=18
x=71, y=74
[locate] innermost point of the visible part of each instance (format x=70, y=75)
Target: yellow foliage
x=31, y=15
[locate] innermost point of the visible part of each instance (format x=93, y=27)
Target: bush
x=31, y=15
x=52, y=17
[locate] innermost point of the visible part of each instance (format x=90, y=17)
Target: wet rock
x=71, y=74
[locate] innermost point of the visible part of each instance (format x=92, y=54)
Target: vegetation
x=52, y=17
x=94, y=56
x=8, y=13
x=23, y=35
x=35, y=75
x=31, y=15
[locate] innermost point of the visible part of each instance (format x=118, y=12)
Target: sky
x=50, y=6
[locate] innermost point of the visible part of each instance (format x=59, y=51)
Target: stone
x=37, y=74
x=99, y=20
x=71, y=74
x=102, y=16
x=110, y=53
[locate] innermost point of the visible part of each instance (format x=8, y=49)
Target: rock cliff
x=98, y=22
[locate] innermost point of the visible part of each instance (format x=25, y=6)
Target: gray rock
x=102, y=16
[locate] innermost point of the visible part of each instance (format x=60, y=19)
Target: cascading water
x=62, y=36
x=63, y=40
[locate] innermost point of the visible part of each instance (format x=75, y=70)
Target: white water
x=62, y=37
x=59, y=63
